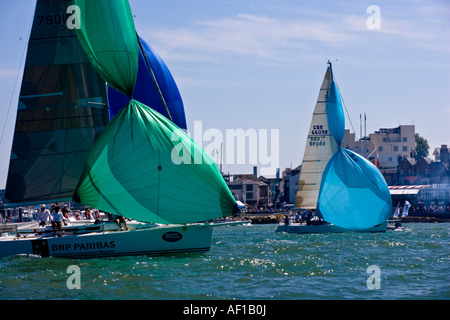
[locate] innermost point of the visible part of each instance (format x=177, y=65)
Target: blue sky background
x=259, y=64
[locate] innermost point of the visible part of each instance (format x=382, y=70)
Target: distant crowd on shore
x=439, y=210
x=414, y=210
x=431, y=210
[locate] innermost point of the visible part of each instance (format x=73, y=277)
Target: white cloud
x=413, y=27
x=288, y=35
x=8, y=73
x=248, y=35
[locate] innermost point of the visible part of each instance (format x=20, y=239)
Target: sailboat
x=395, y=223
x=139, y=164
x=345, y=191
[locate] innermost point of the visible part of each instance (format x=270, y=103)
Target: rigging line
x=17, y=77
x=154, y=79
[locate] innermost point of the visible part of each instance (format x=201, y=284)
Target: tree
x=422, y=147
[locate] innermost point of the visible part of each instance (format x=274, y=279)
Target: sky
x=257, y=65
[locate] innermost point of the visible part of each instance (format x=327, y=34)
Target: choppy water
x=253, y=262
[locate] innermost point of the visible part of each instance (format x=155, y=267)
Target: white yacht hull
x=155, y=240
x=324, y=228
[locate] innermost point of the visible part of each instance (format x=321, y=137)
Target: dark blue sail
x=353, y=193
x=146, y=91
x=61, y=111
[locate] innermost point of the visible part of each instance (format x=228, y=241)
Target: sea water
x=252, y=263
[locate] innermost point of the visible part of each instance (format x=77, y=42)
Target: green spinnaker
x=146, y=168
x=108, y=36
x=142, y=166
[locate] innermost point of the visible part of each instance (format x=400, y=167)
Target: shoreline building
x=424, y=171
x=392, y=143
x=252, y=190
x=384, y=148
x=386, y=144
x=289, y=184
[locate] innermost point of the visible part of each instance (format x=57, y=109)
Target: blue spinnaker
x=145, y=90
x=353, y=193
x=336, y=118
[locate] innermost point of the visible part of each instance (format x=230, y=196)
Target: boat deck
x=323, y=228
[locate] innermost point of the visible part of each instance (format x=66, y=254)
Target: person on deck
x=286, y=220
x=309, y=216
x=87, y=214
x=65, y=212
x=96, y=214
x=57, y=220
x=119, y=220
x=44, y=216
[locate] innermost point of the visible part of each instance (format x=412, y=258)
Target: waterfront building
x=434, y=195
x=386, y=145
x=274, y=188
x=364, y=146
x=252, y=192
x=258, y=192
x=289, y=184
x=441, y=154
x=423, y=171
x=393, y=143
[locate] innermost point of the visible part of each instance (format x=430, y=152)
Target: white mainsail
x=320, y=147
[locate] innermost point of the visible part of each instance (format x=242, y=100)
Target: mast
x=331, y=69
x=365, y=125
x=360, y=133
